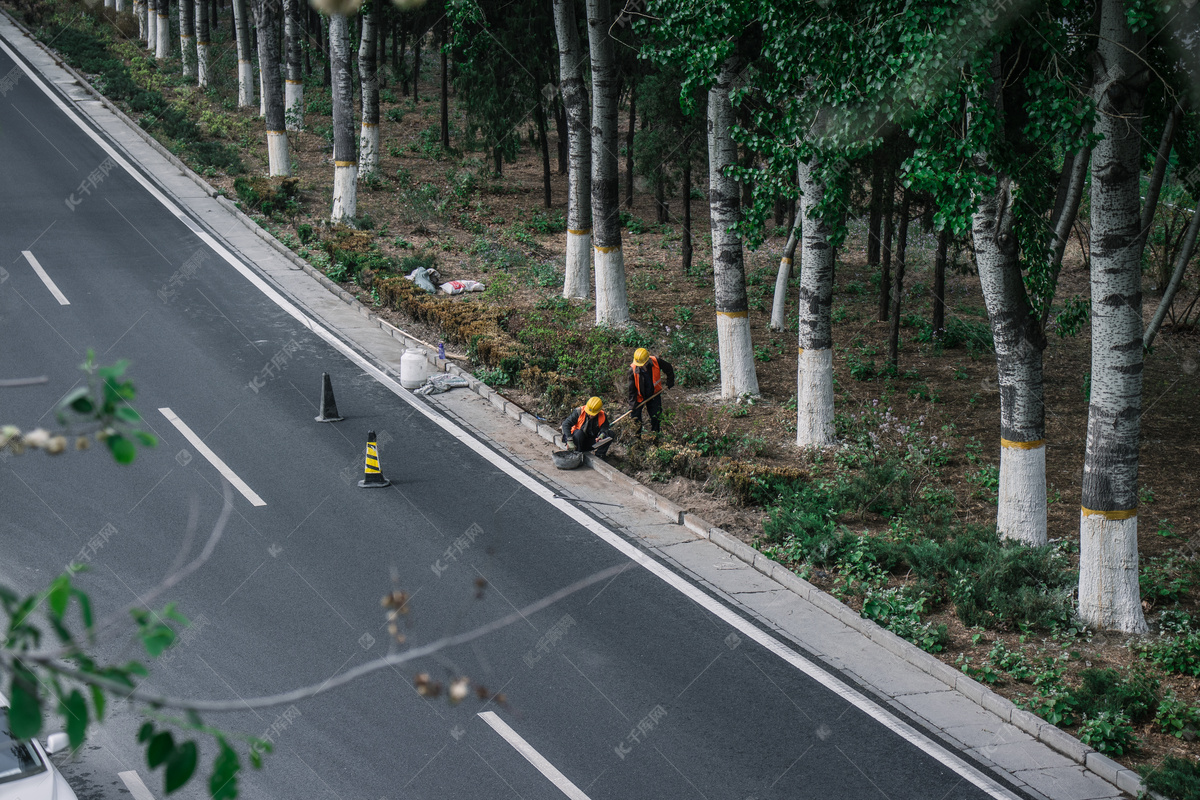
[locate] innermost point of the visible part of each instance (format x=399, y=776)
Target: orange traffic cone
x=372, y=477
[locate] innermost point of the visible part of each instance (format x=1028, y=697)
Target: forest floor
x=891, y=520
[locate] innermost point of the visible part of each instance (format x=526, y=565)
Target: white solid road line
x=883, y=716
x=41, y=273
x=133, y=782
x=533, y=756
x=213, y=458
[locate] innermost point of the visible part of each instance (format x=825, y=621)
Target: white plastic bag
x=458, y=287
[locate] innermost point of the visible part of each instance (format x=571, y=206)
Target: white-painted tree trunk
x=203, y=44
x=187, y=37
x=577, y=280
x=293, y=88
x=279, y=156
x=163, y=32
x=612, y=298
x=1021, y=512
x=368, y=71
x=368, y=148
x=151, y=25
x=139, y=12
x=241, y=23
x=294, y=105
x=1109, y=596
x=110, y=4
x=119, y=5
x=779, y=300
x=262, y=94
x=345, y=163
x=266, y=20
x=814, y=366
x=734, y=347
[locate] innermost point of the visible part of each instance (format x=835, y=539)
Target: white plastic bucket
x=414, y=369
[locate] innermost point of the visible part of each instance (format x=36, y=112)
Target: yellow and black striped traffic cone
x=372, y=477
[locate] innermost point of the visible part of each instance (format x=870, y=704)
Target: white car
x=26, y=772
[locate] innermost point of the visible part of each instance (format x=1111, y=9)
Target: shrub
x=899, y=610
x=1177, y=718
x=1179, y=654
x=1133, y=694
x=1176, y=778
x=269, y=196
x=1108, y=732
x=1167, y=578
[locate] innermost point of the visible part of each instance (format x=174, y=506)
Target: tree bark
x=241, y=23
x=885, y=265
x=898, y=281
x=1109, y=596
x=734, y=346
x=278, y=155
x=612, y=299
x=187, y=37
x=416, y=69
x=687, y=215
x=203, y=45
x=629, y=147
x=779, y=301
x=560, y=125
x=814, y=367
x=368, y=73
x=445, y=96
x=294, y=88
x=939, y=282
x=345, y=163
x=163, y=30
x=577, y=282
x=139, y=13
x=1063, y=223
x=1186, y=248
x=544, y=139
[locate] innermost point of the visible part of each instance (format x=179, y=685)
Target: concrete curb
x=1108, y=770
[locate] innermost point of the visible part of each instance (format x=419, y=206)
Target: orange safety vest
x=655, y=379
x=583, y=416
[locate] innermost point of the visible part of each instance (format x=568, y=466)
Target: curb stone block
x=1129, y=781
x=696, y=525
x=1027, y=721
x=970, y=688
x=1000, y=706
x=1103, y=766
x=1065, y=743
x=497, y=401
x=529, y=421
x=670, y=510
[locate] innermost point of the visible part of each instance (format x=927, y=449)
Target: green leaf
x=85, y=608
x=181, y=766
x=222, y=784
x=100, y=702
x=145, y=732
x=79, y=400
x=128, y=414
x=75, y=711
x=123, y=449
x=160, y=749
x=147, y=439
x=59, y=595
x=25, y=709
x=157, y=639
x=169, y=612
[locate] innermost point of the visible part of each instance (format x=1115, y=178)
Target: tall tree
x=579, y=149
x=293, y=89
x=241, y=23
x=266, y=19
x=187, y=37
x=162, y=49
x=203, y=44
x=814, y=367
x=345, y=163
x=734, y=346
x=612, y=299
x=1109, y=596
x=151, y=8
x=783, y=276
x=368, y=54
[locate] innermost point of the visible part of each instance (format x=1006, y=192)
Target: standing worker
x=646, y=382
x=585, y=424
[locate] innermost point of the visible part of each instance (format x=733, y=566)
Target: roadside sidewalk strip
x=372, y=477
x=561, y=782
x=50, y=284
x=213, y=458
x=962, y=686
x=329, y=410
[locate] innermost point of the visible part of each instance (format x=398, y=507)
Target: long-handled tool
x=608, y=439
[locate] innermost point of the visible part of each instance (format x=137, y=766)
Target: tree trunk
x=203, y=44
x=345, y=164
x=245, y=65
x=814, y=367
x=560, y=125
x=687, y=215
x=1161, y=160
x=368, y=73
x=163, y=31
x=278, y=155
x=540, y=114
x=1109, y=596
x=577, y=282
x=660, y=196
x=445, y=93
x=416, y=69
x=612, y=300
x=779, y=301
x=399, y=63
x=939, y=282
x=151, y=8
x=885, y=264
x=397, y=55
x=735, y=349
x=139, y=13
x=1072, y=196
x=187, y=37
x=294, y=88
x=629, y=147
x=898, y=282
x=1186, y=248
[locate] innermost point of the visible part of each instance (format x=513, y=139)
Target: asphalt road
x=629, y=688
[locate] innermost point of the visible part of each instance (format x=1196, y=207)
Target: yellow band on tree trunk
x=345, y=163
x=785, y=260
x=733, y=314
x=581, y=232
x=607, y=249
x=1034, y=445
x=1126, y=514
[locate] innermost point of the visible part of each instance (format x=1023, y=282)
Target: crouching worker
x=584, y=425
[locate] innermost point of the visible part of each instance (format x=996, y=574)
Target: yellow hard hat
x=593, y=406
x=641, y=356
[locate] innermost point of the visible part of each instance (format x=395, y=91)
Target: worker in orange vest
x=585, y=424
x=646, y=375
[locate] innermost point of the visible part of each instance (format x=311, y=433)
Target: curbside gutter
x=1060, y=741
